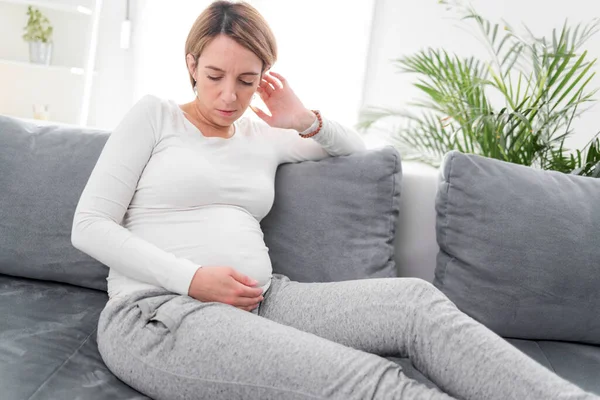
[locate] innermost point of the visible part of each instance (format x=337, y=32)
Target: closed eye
x=218, y=78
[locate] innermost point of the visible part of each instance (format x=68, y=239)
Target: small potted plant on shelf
x=38, y=33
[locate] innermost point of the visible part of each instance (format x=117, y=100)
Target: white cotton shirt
x=164, y=200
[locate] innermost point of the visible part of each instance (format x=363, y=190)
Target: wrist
x=195, y=277
x=315, y=128
x=305, y=121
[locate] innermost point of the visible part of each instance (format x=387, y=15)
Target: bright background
x=335, y=53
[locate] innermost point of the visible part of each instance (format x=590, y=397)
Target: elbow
x=358, y=146
x=80, y=231
x=361, y=145
x=76, y=234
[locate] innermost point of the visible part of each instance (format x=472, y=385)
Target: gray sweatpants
x=316, y=341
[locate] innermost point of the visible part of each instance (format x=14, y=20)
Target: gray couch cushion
x=578, y=363
x=44, y=171
x=85, y=376
x=519, y=248
x=335, y=219
x=47, y=343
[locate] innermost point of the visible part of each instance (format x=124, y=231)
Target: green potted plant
x=38, y=33
x=517, y=106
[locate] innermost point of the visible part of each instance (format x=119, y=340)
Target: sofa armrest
x=415, y=243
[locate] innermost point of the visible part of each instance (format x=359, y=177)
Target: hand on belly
x=225, y=285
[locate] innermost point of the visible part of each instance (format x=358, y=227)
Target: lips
x=226, y=113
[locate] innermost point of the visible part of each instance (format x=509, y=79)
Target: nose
x=229, y=93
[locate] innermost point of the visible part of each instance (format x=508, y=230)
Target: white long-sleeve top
x=164, y=200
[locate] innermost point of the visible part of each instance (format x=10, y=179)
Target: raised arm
x=289, y=117
x=334, y=139
x=97, y=229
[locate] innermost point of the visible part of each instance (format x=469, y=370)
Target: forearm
x=119, y=249
x=337, y=139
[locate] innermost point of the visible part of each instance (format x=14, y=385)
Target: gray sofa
x=51, y=294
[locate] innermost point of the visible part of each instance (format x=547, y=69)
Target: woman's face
x=227, y=75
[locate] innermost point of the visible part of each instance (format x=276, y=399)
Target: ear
x=265, y=69
x=191, y=65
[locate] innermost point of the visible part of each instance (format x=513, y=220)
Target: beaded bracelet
x=313, y=133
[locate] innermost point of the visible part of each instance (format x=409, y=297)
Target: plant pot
x=40, y=52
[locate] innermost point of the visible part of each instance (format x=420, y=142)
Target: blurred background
x=337, y=54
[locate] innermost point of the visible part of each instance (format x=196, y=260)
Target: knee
x=421, y=285
x=425, y=293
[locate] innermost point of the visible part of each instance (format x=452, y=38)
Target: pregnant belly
x=215, y=235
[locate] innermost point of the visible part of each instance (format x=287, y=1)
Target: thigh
x=372, y=315
x=174, y=347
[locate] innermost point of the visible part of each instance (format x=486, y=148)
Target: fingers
x=248, y=292
x=270, y=82
x=281, y=78
x=272, y=79
x=243, y=285
x=265, y=87
x=263, y=94
x=246, y=280
x=261, y=114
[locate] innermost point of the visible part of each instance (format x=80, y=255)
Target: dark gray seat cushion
x=47, y=343
x=44, y=170
x=335, y=219
x=576, y=362
x=85, y=376
x=519, y=248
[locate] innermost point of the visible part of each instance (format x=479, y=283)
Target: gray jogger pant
x=316, y=341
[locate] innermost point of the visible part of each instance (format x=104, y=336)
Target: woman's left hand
x=287, y=111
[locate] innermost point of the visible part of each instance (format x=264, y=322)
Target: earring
x=195, y=89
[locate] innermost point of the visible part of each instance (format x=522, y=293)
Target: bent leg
x=410, y=317
x=174, y=347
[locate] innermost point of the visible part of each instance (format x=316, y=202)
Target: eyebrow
x=220, y=70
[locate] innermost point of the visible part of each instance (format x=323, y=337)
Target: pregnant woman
x=173, y=208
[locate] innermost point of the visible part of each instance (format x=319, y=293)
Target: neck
x=209, y=128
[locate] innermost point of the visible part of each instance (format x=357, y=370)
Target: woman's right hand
x=225, y=285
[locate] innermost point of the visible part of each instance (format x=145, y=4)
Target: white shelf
x=73, y=70
x=73, y=6
x=66, y=86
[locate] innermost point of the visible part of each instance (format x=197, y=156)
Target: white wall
x=323, y=48
x=403, y=27
x=323, y=56
x=158, y=59
x=112, y=89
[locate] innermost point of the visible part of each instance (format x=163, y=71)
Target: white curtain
x=323, y=48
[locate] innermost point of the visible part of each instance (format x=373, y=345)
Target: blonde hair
x=237, y=20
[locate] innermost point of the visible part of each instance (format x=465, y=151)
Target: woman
x=173, y=208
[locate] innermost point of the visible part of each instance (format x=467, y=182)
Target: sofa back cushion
x=519, y=248
x=331, y=220
x=43, y=170
x=335, y=219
